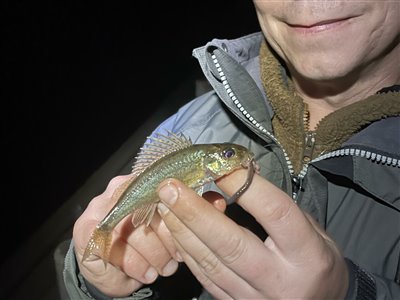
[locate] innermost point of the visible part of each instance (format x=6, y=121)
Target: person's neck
x=324, y=97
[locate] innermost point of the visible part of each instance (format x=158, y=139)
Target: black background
x=74, y=75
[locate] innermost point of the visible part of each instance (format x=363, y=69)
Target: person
x=315, y=95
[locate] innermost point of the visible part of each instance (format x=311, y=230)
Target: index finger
x=273, y=209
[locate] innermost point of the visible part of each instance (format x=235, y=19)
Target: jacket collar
x=232, y=69
x=238, y=59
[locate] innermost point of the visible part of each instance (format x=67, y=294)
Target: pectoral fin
x=144, y=214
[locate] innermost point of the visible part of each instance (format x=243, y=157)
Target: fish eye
x=228, y=153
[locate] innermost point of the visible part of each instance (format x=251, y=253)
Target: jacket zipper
x=309, y=143
x=377, y=158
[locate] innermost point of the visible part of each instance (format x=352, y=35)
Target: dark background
x=77, y=78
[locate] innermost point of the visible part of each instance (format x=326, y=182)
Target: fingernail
x=151, y=274
x=178, y=256
x=170, y=268
x=168, y=194
x=162, y=209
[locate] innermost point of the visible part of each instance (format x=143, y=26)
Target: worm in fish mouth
x=252, y=164
x=253, y=167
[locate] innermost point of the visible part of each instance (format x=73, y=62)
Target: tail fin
x=99, y=244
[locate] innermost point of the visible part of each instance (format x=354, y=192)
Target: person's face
x=327, y=39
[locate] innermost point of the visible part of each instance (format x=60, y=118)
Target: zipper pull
x=308, y=147
x=297, y=187
x=307, y=157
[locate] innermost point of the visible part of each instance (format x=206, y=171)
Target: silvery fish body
x=172, y=156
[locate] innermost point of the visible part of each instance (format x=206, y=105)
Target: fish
x=170, y=155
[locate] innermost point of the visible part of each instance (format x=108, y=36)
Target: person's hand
x=297, y=260
x=137, y=256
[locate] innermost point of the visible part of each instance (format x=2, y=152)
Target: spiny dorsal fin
x=157, y=147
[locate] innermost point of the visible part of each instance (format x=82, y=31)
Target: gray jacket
x=353, y=192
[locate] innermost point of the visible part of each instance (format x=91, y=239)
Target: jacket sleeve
x=363, y=285
x=78, y=288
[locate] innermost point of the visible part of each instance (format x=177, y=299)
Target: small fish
x=167, y=156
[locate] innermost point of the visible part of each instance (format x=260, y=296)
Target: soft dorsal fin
x=158, y=146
